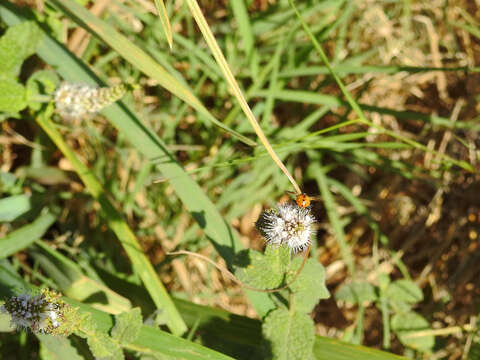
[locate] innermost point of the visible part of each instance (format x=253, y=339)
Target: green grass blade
x=115, y=221
x=26, y=235
x=331, y=208
x=150, y=340
x=240, y=11
x=58, y=347
x=162, y=14
x=346, y=69
x=14, y=206
x=142, y=61
x=332, y=349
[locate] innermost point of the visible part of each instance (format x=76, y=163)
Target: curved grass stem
x=222, y=62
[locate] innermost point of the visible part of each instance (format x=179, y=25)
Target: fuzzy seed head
x=289, y=224
x=73, y=101
x=44, y=313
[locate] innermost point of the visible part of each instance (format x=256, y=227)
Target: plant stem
x=222, y=62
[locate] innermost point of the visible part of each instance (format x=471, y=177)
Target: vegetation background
x=398, y=196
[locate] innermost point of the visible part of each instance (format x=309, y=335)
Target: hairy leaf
x=12, y=95
x=103, y=346
x=291, y=335
x=42, y=82
x=18, y=43
x=265, y=271
x=356, y=292
x=405, y=325
x=127, y=326
x=309, y=287
x=405, y=290
x=13, y=206
x=402, y=294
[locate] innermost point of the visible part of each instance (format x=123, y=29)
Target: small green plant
x=395, y=299
x=288, y=329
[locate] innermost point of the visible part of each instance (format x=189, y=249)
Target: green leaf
x=13, y=206
x=12, y=95
x=5, y=323
x=23, y=237
x=405, y=325
x=56, y=348
x=127, y=326
x=266, y=271
x=18, y=43
x=43, y=82
x=291, y=335
x=405, y=290
x=103, y=346
x=8, y=182
x=402, y=294
x=47, y=175
x=162, y=14
x=309, y=287
x=331, y=207
x=356, y=292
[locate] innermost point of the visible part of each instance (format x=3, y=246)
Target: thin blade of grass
x=142, y=61
x=222, y=62
x=346, y=69
x=163, y=15
x=58, y=347
x=333, y=216
x=240, y=12
x=115, y=221
x=26, y=235
x=14, y=206
x=324, y=58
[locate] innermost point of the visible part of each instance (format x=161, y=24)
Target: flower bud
x=44, y=313
x=289, y=224
x=75, y=100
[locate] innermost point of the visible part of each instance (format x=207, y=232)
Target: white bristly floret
x=73, y=100
x=290, y=224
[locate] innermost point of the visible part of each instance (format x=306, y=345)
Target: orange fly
x=303, y=200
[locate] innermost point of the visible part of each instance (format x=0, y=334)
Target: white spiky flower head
x=289, y=224
x=74, y=100
x=44, y=313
